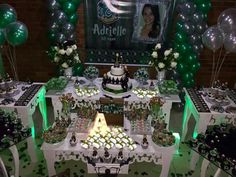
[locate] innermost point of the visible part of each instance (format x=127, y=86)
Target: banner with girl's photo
x=130, y=28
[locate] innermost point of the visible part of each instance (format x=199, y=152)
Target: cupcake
x=9, y=81
x=2, y=83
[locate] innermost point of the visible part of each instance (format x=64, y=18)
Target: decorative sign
x=130, y=28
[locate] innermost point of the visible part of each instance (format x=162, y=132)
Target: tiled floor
x=179, y=166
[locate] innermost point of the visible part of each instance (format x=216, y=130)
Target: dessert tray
x=141, y=127
x=216, y=97
x=79, y=125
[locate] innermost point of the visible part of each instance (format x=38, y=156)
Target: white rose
x=161, y=65
x=68, y=51
x=77, y=58
x=62, y=51
x=154, y=54
x=74, y=47
x=65, y=65
x=158, y=46
x=56, y=48
x=167, y=52
x=173, y=64
x=56, y=59
x=176, y=55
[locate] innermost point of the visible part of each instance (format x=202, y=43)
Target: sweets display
x=28, y=95
x=168, y=87
x=86, y=91
x=12, y=130
x=218, y=146
x=115, y=137
x=8, y=88
x=141, y=75
x=56, y=83
x=144, y=92
x=141, y=127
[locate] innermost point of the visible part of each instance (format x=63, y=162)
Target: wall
x=32, y=61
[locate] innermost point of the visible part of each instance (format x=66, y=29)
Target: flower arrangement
x=168, y=61
x=65, y=57
x=67, y=101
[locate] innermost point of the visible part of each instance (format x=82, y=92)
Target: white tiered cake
x=116, y=80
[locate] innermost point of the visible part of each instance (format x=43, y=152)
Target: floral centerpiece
x=65, y=57
x=156, y=103
x=168, y=61
x=67, y=101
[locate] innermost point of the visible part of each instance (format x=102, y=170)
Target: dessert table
x=197, y=106
x=25, y=104
x=154, y=153
x=128, y=97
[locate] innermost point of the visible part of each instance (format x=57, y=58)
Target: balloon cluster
x=190, y=25
x=217, y=36
x=63, y=18
x=13, y=31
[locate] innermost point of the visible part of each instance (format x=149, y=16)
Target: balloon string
x=8, y=55
x=16, y=72
x=213, y=68
x=217, y=65
x=221, y=64
x=12, y=62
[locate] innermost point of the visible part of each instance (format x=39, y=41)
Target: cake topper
x=117, y=64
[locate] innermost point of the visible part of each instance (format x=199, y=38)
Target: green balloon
x=7, y=15
x=76, y=2
x=184, y=48
x=78, y=69
x=187, y=76
x=195, y=67
x=69, y=8
x=179, y=26
x=201, y=1
x=190, y=83
x=181, y=68
x=16, y=33
x=204, y=7
x=52, y=37
x=180, y=37
x=74, y=18
x=191, y=58
x=62, y=1
x=2, y=37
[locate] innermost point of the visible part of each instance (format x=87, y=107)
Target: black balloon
x=53, y=5
x=188, y=8
x=182, y=18
x=59, y=16
x=68, y=28
x=197, y=48
x=188, y=28
x=201, y=28
x=194, y=38
x=60, y=38
x=198, y=17
x=53, y=26
x=71, y=37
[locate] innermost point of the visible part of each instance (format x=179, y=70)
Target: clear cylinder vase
x=161, y=76
x=68, y=72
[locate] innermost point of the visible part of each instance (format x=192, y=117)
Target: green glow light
x=189, y=105
x=42, y=105
x=177, y=139
x=33, y=132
